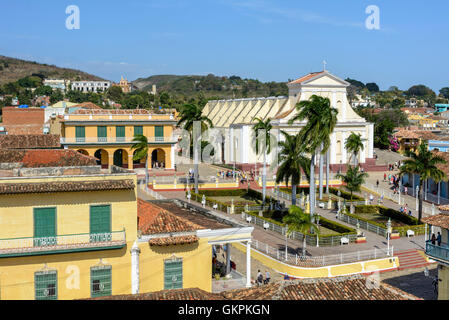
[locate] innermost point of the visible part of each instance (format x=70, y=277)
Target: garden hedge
x=343, y=194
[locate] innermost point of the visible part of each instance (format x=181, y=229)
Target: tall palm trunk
x=327, y=171
x=147, y=174
x=312, y=185
x=304, y=246
x=264, y=177
x=196, y=168
x=355, y=159
x=293, y=194
x=420, y=200
x=321, y=173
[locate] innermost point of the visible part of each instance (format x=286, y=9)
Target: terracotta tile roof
x=155, y=220
x=46, y=158
x=87, y=105
x=174, y=240
x=33, y=141
x=307, y=77
x=445, y=166
x=67, y=186
x=340, y=288
x=439, y=220
x=414, y=134
x=179, y=294
x=417, y=110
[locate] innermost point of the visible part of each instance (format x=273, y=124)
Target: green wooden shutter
x=173, y=274
x=120, y=133
x=44, y=226
x=80, y=133
x=100, y=223
x=46, y=285
x=138, y=130
x=102, y=134
x=159, y=133
x=101, y=281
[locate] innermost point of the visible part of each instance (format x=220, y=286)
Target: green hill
x=12, y=69
x=211, y=86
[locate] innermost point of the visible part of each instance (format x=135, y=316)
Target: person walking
x=433, y=239
x=439, y=239
x=267, y=277
x=385, y=177
x=371, y=199
x=377, y=184
x=435, y=284
x=259, y=278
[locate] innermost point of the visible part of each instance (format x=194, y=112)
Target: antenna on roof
x=324, y=65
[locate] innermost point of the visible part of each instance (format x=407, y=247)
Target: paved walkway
x=276, y=240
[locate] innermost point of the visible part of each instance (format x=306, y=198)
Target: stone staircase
x=411, y=259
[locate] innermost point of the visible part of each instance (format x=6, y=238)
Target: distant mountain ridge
x=211, y=86
x=12, y=69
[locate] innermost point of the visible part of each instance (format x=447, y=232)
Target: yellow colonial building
x=66, y=232
x=107, y=135
x=72, y=230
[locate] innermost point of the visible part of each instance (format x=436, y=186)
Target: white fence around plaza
x=321, y=261
x=400, y=199
x=312, y=240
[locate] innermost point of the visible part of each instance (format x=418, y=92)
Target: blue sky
x=270, y=40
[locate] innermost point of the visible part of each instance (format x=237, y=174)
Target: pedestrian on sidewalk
x=410, y=212
x=439, y=239
x=267, y=277
x=405, y=189
x=435, y=284
x=382, y=199
x=259, y=278
x=371, y=199
x=385, y=177
x=377, y=183
x=433, y=239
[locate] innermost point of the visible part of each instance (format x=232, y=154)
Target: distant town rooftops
x=38, y=158
x=355, y=287
x=412, y=134
x=32, y=141
x=417, y=110
x=87, y=105
x=111, y=111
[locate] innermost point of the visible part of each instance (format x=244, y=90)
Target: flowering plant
x=394, y=144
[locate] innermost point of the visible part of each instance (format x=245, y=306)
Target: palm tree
x=353, y=179
x=292, y=161
x=424, y=163
x=321, y=121
x=189, y=114
x=141, y=147
x=354, y=144
x=265, y=127
x=297, y=220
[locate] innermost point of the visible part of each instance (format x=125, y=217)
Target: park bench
x=344, y=240
x=410, y=233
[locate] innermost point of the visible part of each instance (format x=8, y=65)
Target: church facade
x=235, y=119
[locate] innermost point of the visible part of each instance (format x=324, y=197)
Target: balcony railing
x=438, y=252
x=111, y=140
x=62, y=243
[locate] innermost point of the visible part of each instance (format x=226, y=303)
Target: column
x=344, y=153
x=362, y=153
x=172, y=157
x=130, y=162
x=135, y=276
x=333, y=149
x=228, y=258
x=111, y=158
x=248, y=264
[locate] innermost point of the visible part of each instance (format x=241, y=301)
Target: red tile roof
x=308, y=77
x=173, y=240
x=88, y=105
x=155, y=220
x=46, y=158
x=111, y=111
x=178, y=294
x=31, y=141
x=439, y=220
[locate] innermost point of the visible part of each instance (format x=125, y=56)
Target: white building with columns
x=235, y=119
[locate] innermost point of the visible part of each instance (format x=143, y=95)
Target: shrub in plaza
x=276, y=218
x=388, y=212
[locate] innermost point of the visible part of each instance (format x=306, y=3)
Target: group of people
x=404, y=210
x=436, y=239
x=260, y=280
x=393, y=166
x=158, y=165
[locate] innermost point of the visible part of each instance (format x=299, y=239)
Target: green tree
x=445, y=92
x=291, y=162
x=354, y=144
x=115, y=94
x=353, y=179
x=372, y=87
x=297, y=220
x=189, y=114
x=56, y=96
x=315, y=135
x=43, y=91
x=423, y=163
x=141, y=152
x=262, y=136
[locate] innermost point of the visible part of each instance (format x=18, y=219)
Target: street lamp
x=388, y=235
x=400, y=184
x=286, y=241
x=318, y=224
x=417, y=193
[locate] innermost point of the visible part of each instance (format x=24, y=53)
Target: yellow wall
x=443, y=285
x=196, y=265
x=72, y=216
